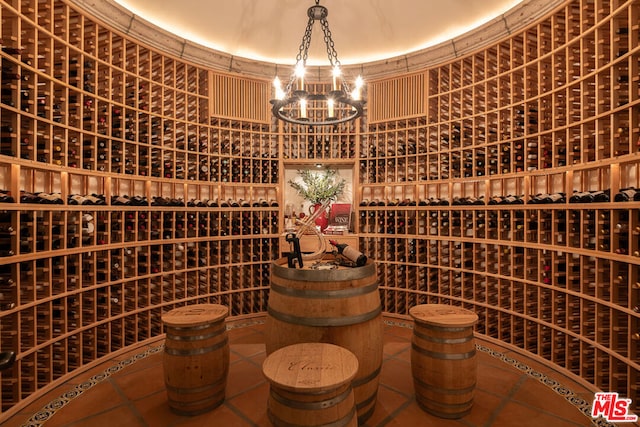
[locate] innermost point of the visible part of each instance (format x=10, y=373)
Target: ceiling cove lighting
x=294, y=104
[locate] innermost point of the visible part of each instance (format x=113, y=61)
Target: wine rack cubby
x=506, y=183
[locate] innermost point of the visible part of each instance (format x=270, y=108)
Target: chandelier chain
x=328, y=41
x=303, y=51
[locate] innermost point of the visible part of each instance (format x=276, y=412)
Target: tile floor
x=129, y=391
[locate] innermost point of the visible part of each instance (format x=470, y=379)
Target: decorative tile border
x=581, y=404
x=40, y=417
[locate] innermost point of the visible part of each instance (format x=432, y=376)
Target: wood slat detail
x=238, y=97
x=397, y=98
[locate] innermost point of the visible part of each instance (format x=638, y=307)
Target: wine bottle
x=5, y=197
x=590, y=196
x=12, y=50
x=495, y=200
x=95, y=199
x=77, y=199
x=350, y=253
x=580, y=197
x=548, y=198
x=120, y=200
x=511, y=199
x=601, y=196
x=626, y=194
x=50, y=199
x=6, y=252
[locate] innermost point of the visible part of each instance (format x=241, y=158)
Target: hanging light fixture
x=294, y=104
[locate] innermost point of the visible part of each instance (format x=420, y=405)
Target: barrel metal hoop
x=364, y=416
x=444, y=356
x=183, y=407
x=444, y=328
x=311, y=406
x=438, y=340
x=315, y=293
x=342, y=422
x=460, y=410
x=360, y=381
x=441, y=390
x=324, y=321
x=195, y=327
x=195, y=351
x=211, y=334
x=325, y=275
x=194, y=390
x=367, y=401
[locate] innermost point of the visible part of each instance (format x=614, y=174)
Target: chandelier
x=294, y=104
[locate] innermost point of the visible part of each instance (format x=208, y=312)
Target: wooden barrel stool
x=443, y=359
x=196, y=357
x=310, y=385
x=340, y=307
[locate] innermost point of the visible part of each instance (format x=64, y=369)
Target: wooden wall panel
x=397, y=98
x=238, y=97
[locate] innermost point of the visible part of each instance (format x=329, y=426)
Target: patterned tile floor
x=129, y=391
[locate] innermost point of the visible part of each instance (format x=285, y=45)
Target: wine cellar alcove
x=135, y=181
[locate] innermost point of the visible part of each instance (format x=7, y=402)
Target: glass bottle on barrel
x=351, y=253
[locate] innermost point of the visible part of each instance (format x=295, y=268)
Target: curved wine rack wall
x=494, y=150
x=136, y=182
x=121, y=181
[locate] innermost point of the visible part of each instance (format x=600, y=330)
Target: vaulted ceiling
x=363, y=30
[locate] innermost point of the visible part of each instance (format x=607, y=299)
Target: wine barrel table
x=443, y=359
x=310, y=385
x=196, y=357
x=337, y=306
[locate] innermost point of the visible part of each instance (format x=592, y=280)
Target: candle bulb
x=356, y=91
x=303, y=108
x=279, y=94
x=300, y=75
x=336, y=74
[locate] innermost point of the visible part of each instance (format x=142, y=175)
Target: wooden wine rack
x=187, y=209
x=88, y=110
x=553, y=108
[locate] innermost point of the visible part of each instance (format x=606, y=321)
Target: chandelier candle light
x=294, y=103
